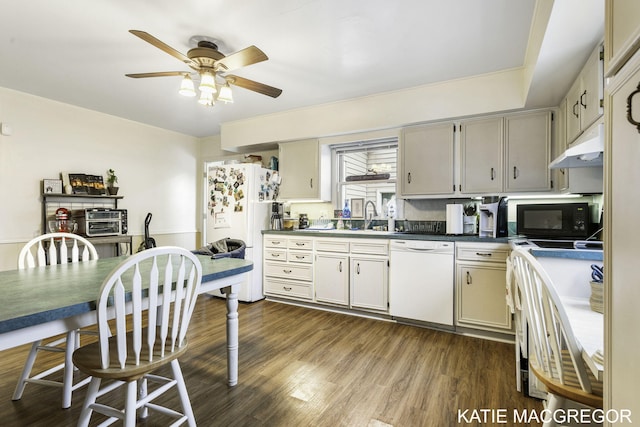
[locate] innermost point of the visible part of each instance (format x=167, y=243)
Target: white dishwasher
x=421, y=280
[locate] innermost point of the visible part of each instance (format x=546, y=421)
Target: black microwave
x=554, y=220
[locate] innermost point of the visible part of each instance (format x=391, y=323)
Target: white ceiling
x=78, y=51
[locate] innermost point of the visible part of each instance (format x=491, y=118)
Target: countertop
x=580, y=254
x=370, y=234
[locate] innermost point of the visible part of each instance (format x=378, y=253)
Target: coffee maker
x=493, y=217
x=277, y=215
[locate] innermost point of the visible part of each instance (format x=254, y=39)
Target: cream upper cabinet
x=583, y=103
x=426, y=160
x=622, y=33
x=481, y=154
x=528, y=146
x=506, y=154
x=305, y=169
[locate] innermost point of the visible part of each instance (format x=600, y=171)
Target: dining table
x=42, y=302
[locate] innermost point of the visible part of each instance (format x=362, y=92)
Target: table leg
x=232, y=334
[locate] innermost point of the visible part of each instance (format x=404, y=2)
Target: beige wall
x=157, y=169
x=501, y=91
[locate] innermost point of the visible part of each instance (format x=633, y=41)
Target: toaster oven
x=101, y=222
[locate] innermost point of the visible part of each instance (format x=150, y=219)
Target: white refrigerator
x=238, y=206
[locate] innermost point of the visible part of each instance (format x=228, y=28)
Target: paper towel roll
x=454, y=219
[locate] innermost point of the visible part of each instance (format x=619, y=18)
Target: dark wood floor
x=305, y=367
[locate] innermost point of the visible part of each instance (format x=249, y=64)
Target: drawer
x=370, y=247
x=288, y=288
x=305, y=257
x=301, y=244
x=275, y=254
x=288, y=270
x=332, y=245
x=275, y=242
x=480, y=254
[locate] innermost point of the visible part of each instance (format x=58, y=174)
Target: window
x=366, y=170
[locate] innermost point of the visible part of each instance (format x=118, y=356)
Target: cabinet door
x=622, y=204
x=528, y=145
x=573, y=111
x=426, y=160
x=481, y=155
x=592, y=90
x=305, y=169
x=369, y=283
x=481, y=296
x=622, y=32
x=332, y=278
x=560, y=177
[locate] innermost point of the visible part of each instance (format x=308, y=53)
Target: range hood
x=585, y=152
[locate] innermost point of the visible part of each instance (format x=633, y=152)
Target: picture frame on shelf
x=357, y=208
x=52, y=186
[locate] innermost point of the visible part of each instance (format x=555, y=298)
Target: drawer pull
x=287, y=271
x=286, y=288
x=275, y=243
x=340, y=267
x=484, y=254
x=299, y=256
x=275, y=255
x=468, y=278
x=299, y=244
x=358, y=268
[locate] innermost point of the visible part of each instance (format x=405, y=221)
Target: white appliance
x=238, y=206
x=421, y=281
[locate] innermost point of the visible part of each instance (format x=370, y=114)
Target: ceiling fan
x=209, y=63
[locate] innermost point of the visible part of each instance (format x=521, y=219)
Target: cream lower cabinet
x=288, y=267
x=349, y=273
x=331, y=265
x=480, y=286
x=370, y=274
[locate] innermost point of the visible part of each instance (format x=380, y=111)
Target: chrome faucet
x=367, y=222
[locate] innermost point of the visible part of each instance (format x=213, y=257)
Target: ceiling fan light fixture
x=207, y=83
x=206, y=99
x=186, y=87
x=225, y=94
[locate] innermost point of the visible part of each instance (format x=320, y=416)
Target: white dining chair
x=151, y=296
x=555, y=356
x=32, y=255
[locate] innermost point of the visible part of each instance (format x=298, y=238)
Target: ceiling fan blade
x=242, y=58
x=158, y=74
x=254, y=86
x=163, y=46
